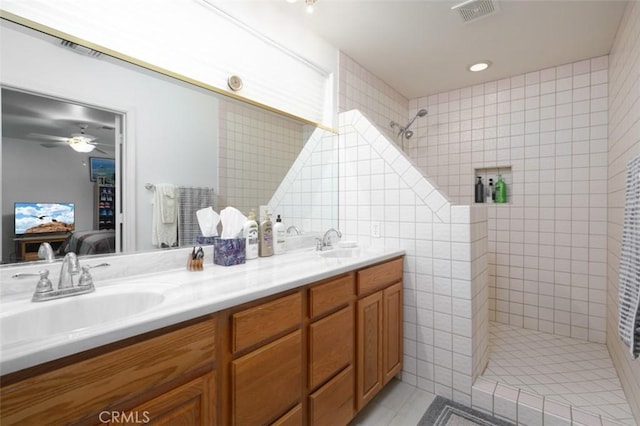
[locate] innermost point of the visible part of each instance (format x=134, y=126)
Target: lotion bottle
x=479, y=190
x=250, y=232
x=265, y=236
x=279, y=246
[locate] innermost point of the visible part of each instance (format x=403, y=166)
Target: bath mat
x=444, y=412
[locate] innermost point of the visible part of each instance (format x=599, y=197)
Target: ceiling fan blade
x=49, y=137
x=53, y=144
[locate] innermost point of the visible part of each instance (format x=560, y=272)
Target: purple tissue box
x=229, y=252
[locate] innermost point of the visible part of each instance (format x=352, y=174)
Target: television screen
x=38, y=218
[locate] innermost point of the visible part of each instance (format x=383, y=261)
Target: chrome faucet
x=325, y=242
x=70, y=268
x=45, y=251
x=293, y=227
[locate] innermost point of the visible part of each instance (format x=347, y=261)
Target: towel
x=629, y=278
x=190, y=200
x=164, y=224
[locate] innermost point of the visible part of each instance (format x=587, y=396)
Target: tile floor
x=568, y=371
x=398, y=404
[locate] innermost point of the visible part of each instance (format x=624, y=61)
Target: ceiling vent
x=472, y=10
x=80, y=49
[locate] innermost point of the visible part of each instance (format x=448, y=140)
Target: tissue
x=208, y=221
x=232, y=222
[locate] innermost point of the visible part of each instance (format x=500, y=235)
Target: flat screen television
x=44, y=218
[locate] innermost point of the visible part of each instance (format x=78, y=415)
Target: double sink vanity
x=304, y=338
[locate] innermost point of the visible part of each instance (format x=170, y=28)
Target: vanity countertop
x=185, y=294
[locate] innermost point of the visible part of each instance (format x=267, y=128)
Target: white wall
x=624, y=145
x=171, y=128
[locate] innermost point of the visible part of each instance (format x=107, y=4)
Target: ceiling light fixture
x=81, y=143
x=310, y=4
x=480, y=66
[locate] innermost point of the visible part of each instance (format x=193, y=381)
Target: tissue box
x=227, y=252
x=205, y=241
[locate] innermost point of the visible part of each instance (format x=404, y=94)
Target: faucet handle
x=44, y=283
x=85, y=276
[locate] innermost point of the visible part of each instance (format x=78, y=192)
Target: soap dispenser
x=280, y=234
x=265, y=236
x=250, y=233
x=479, y=190
x=501, y=190
x=491, y=193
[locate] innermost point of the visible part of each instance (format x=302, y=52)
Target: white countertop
x=186, y=295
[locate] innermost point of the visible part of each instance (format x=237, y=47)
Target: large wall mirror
x=146, y=128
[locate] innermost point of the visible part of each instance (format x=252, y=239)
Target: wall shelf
x=492, y=173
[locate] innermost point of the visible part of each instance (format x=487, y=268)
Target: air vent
x=471, y=10
x=80, y=49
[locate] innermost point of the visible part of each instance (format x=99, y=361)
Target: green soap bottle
x=501, y=190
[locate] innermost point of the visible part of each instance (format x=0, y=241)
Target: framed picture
x=104, y=168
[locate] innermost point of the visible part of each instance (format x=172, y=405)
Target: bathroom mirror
x=171, y=132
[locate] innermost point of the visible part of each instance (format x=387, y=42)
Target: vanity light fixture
x=480, y=66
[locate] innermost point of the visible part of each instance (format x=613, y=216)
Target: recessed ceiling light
x=480, y=66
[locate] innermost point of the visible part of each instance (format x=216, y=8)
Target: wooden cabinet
x=190, y=404
x=379, y=328
x=266, y=382
x=123, y=376
x=313, y=356
x=332, y=404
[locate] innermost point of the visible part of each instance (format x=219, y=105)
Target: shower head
x=421, y=113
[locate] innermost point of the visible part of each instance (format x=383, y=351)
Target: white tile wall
x=624, y=144
x=307, y=196
x=256, y=149
x=361, y=90
x=445, y=266
x=547, y=247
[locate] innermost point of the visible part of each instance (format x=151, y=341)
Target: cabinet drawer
x=78, y=392
x=330, y=345
x=292, y=418
x=330, y=295
x=332, y=404
x=261, y=322
x=267, y=381
x=379, y=276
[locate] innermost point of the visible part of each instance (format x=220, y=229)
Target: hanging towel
x=629, y=279
x=164, y=232
x=190, y=200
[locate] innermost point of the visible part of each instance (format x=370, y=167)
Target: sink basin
x=38, y=320
x=339, y=253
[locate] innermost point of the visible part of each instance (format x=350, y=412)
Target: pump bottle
x=265, y=236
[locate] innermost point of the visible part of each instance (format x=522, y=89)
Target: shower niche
x=489, y=176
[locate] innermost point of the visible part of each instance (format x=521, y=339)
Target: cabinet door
x=369, y=348
x=190, y=404
x=292, y=418
x=330, y=345
x=332, y=404
x=267, y=381
x=392, y=332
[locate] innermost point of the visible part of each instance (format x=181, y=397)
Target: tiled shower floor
x=566, y=370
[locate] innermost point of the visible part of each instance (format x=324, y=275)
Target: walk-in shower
x=404, y=132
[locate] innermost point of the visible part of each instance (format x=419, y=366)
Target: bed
x=90, y=242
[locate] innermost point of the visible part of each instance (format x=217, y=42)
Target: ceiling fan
x=79, y=142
